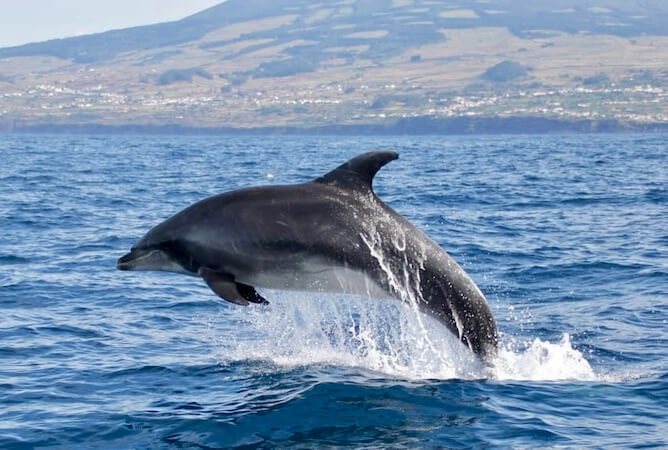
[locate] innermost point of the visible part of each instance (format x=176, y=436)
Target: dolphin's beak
x=149, y=259
x=127, y=262
x=142, y=259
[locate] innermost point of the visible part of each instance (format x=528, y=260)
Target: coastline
x=408, y=126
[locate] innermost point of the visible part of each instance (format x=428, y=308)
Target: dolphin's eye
x=167, y=246
x=179, y=252
x=172, y=248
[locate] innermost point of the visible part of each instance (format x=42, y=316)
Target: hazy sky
x=24, y=21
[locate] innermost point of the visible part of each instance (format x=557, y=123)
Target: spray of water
x=378, y=335
x=383, y=336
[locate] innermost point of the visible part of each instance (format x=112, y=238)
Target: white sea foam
x=383, y=336
x=541, y=361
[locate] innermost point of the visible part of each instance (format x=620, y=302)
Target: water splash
x=383, y=336
x=542, y=361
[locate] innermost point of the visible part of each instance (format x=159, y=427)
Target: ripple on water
x=565, y=234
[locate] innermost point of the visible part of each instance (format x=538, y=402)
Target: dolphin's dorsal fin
x=359, y=171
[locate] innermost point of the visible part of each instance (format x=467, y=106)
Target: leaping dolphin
x=332, y=234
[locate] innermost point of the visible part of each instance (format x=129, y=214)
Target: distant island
x=353, y=66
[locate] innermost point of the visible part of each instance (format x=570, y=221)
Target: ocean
x=567, y=236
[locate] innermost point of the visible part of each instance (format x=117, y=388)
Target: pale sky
x=23, y=21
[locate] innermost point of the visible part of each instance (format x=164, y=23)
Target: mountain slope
x=299, y=63
x=628, y=18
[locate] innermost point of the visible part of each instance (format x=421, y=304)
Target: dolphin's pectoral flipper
x=250, y=294
x=225, y=286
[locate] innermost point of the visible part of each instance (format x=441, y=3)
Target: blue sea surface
x=566, y=235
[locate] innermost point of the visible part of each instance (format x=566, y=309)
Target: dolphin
x=332, y=234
